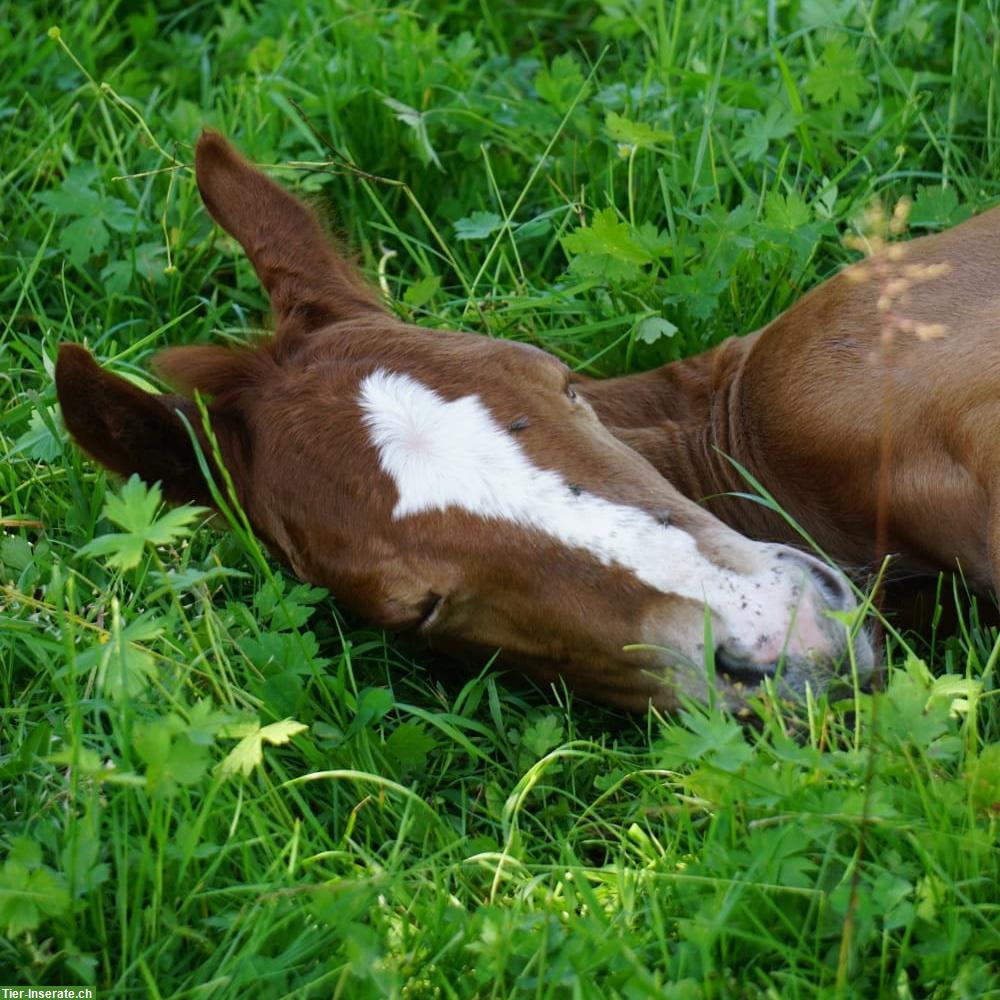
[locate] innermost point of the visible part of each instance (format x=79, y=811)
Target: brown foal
x=458, y=487
x=799, y=404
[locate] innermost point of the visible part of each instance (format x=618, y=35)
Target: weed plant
x=213, y=783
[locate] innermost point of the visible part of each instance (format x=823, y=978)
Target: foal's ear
x=309, y=283
x=130, y=430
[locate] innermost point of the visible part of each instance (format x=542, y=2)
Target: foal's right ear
x=129, y=430
x=310, y=284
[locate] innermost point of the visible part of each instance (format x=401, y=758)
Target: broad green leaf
x=287, y=611
x=152, y=741
x=723, y=234
x=117, y=215
x=68, y=202
x=894, y=895
x=605, y=268
x=172, y=525
x=76, y=195
x=135, y=505
x=187, y=762
x=25, y=851
x=907, y=713
x=410, y=743
x=147, y=262
x=124, y=551
x=205, y=722
x=134, y=508
x=958, y=691
x=937, y=207
x=238, y=728
x=268, y=596
x=15, y=553
x=697, y=293
x=608, y=248
x=38, y=440
x=705, y=738
x=284, y=652
x=248, y=753
x=828, y=13
x=607, y=235
x=762, y=130
x=786, y=211
x=267, y=55
x=477, y=226
x=84, y=238
x=931, y=894
x=655, y=242
x=123, y=666
x=422, y=291
x=788, y=226
x=117, y=276
x=836, y=79
x=80, y=856
x=560, y=84
x=28, y=895
x=172, y=758
x=373, y=703
x=243, y=758
x=825, y=202
x=126, y=671
x=297, y=607
x=281, y=732
x=544, y=735
x=632, y=133
x=652, y=328
x=282, y=692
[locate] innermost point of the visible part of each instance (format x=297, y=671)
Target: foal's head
x=456, y=486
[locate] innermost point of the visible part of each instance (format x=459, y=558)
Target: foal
x=800, y=403
x=457, y=487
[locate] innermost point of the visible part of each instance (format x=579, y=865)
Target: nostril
x=831, y=582
x=737, y=669
x=832, y=585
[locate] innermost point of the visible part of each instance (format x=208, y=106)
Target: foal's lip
x=741, y=672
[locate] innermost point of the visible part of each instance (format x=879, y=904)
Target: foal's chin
x=710, y=668
x=792, y=679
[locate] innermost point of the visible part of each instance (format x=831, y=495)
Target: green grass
x=623, y=185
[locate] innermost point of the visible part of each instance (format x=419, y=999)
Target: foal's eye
x=570, y=391
x=431, y=612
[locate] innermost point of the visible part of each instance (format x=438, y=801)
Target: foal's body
x=799, y=404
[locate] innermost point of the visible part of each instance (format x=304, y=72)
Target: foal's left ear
x=129, y=430
x=310, y=284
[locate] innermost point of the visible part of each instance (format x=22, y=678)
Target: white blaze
x=443, y=455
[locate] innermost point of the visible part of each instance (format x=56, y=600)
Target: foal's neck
x=687, y=419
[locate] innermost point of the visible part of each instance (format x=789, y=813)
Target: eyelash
x=432, y=613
